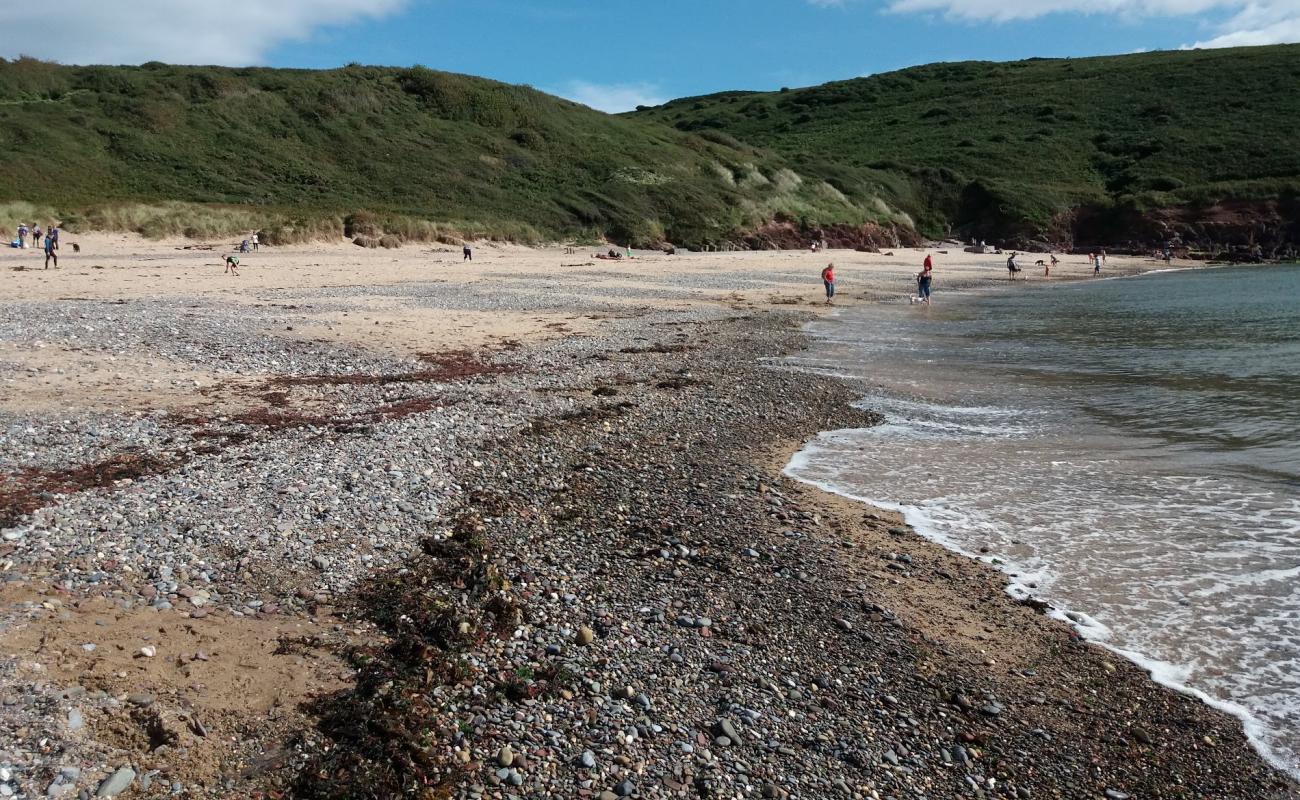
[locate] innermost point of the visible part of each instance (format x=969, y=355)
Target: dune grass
x=435, y=156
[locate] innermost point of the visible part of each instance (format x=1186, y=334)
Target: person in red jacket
x=828, y=280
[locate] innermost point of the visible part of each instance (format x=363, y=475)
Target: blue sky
x=618, y=53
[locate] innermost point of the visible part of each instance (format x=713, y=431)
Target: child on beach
x=467, y=254
x=232, y=265
x=828, y=280
x=924, y=279
x=1096, y=264
x=51, y=244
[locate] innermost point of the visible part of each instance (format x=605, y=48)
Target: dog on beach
x=76, y=248
x=1040, y=263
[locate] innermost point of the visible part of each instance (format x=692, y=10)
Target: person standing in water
x=828, y=280
x=923, y=280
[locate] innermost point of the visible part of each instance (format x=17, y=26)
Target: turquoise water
x=1129, y=448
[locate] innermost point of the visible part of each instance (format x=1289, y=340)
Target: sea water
x=1129, y=449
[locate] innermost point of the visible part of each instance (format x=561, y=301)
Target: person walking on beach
x=828, y=280
x=1012, y=268
x=53, y=233
x=253, y=238
x=22, y=234
x=923, y=280
x=467, y=254
x=51, y=244
x=232, y=265
x=36, y=235
x=1096, y=264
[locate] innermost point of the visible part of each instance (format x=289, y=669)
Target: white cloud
x=233, y=32
x=611, y=97
x=1247, y=22
x=1003, y=11
x=1260, y=22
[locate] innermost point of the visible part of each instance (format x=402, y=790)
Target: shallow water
x=1129, y=449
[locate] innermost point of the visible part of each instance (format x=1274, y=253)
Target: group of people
x=925, y=278
x=48, y=239
x=1097, y=260
x=249, y=245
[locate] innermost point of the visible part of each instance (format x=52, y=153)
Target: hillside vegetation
x=1132, y=149
x=1042, y=148
x=425, y=154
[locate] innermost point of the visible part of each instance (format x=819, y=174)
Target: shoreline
x=910, y=600
x=1161, y=672
x=564, y=561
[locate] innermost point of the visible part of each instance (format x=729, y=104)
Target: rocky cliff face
x=1236, y=230
x=1233, y=229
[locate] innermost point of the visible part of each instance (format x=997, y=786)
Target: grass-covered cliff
x=1099, y=148
x=1128, y=149
x=419, y=150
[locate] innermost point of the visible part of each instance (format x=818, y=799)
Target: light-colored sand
x=356, y=287
x=127, y=266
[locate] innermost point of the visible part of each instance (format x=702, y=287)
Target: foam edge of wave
x=1167, y=674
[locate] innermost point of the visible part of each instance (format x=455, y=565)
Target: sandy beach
x=353, y=299
x=379, y=523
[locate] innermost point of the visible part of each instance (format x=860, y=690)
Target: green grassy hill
x=417, y=152
x=1130, y=149
x=1048, y=149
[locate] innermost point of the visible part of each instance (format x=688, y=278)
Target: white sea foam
x=1187, y=570
x=1176, y=677
x=1172, y=675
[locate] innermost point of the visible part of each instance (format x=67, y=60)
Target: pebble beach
x=388, y=523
